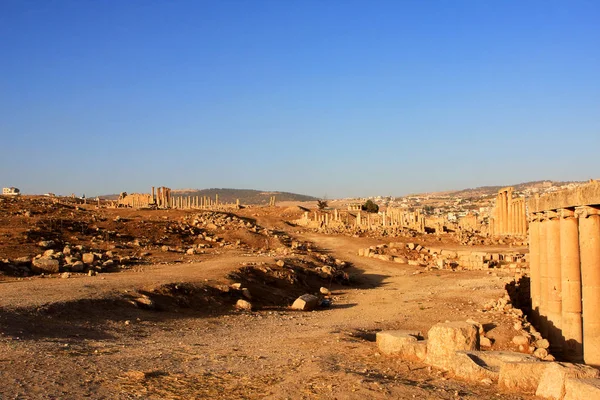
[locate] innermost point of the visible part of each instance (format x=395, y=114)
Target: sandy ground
x=73, y=338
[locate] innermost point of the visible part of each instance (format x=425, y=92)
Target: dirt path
x=131, y=353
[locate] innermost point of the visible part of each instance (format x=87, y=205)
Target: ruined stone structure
x=162, y=197
x=564, y=245
x=509, y=216
x=469, y=222
x=272, y=201
x=202, y=203
x=391, y=220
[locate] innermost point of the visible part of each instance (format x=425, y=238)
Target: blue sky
x=329, y=98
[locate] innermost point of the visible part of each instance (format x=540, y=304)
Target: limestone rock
x=324, y=291
x=485, y=342
x=521, y=376
x=401, y=260
x=77, y=266
x=444, y=339
x=246, y=293
x=540, y=353
x=306, y=302
x=45, y=265
x=243, y=305
x=542, y=344
x=46, y=244
x=469, y=366
x=552, y=382
x=521, y=340
x=88, y=258
x=405, y=344
x=582, y=389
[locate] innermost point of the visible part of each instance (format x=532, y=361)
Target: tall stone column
x=589, y=245
x=543, y=326
x=534, y=268
x=554, y=282
x=502, y=211
x=571, y=286
x=511, y=215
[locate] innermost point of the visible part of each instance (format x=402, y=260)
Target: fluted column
x=534, y=268
x=543, y=276
x=571, y=286
x=589, y=244
x=554, y=282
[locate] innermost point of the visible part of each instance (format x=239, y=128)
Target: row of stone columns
x=509, y=214
x=565, y=280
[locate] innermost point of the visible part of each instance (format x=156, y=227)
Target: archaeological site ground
x=170, y=295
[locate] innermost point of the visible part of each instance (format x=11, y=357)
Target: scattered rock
x=306, y=302
x=243, y=305
x=45, y=265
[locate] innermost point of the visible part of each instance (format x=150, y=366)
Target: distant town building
x=11, y=191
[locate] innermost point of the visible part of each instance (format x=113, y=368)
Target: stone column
x=543, y=327
x=534, y=269
x=500, y=221
x=572, y=327
x=554, y=282
x=511, y=216
x=589, y=245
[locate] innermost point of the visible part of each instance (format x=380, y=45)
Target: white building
x=10, y=191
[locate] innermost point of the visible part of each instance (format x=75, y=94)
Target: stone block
x=552, y=382
x=45, y=266
x=306, y=302
x=521, y=376
x=444, y=339
x=582, y=389
x=470, y=366
x=401, y=260
x=405, y=344
x=88, y=258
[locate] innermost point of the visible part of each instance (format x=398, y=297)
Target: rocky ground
x=161, y=322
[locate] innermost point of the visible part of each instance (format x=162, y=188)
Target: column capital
x=566, y=213
x=586, y=211
x=552, y=214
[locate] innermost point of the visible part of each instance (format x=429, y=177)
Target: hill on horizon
x=227, y=195
x=492, y=190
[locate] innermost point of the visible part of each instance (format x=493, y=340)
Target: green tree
x=370, y=206
x=322, y=204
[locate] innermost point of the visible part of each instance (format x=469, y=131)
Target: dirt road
x=92, y=347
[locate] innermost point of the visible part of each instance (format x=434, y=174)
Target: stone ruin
x=430, y=257
x=509, y=215
x=162, y=197
x=391, y=220
x=564, y=245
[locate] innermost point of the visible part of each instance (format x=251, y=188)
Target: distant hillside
x=246, y=196
x=492, y=190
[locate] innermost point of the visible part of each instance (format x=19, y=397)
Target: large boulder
x=45, y=266
x=552, y=382
x=582, y=389
x=446, y=338
x=405, y=344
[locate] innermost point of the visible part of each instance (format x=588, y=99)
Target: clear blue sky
x=330, y=98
